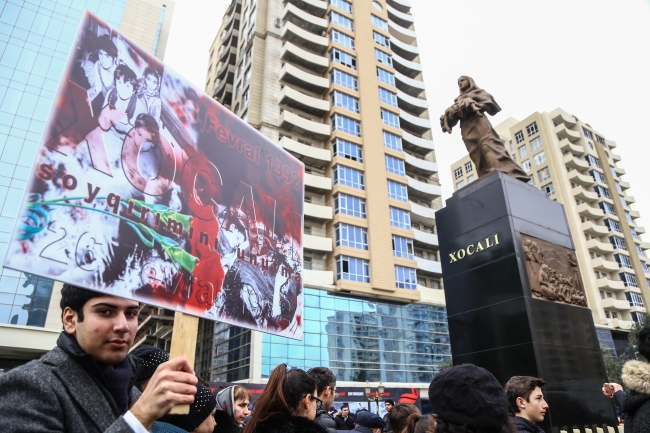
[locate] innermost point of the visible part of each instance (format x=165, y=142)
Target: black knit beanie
x=468, y=395
x=204, y=404
x=152, y=357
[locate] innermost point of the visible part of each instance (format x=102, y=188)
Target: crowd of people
x=91, y=383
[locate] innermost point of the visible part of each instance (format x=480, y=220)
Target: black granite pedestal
x=495, y=321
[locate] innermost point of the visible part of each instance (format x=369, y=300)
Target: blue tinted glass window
x=392, y=141
x=395, y=165
x=400, y=218
x=397, y=191
x=347, y=150
x=350, y=205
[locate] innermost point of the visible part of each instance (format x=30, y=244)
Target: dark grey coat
x=324, y=419
x=635, y=404
x=55, y=394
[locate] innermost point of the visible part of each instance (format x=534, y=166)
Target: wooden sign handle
x=184, y=335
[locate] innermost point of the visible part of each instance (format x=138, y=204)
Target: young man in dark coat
x=636, y=376
x=389, y=405
x=326, y=390
x=86, y=383
x=526, y=402
x=343, y=420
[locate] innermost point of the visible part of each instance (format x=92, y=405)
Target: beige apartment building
x=577, y=166
x=30, y=316
x=338, y=84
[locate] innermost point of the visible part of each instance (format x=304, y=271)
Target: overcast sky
x=590, y=57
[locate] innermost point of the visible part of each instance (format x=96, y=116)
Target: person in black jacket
x=389, y=405
x=526, y=402
x=343, y=420
x=326, y=390
x=287, y=405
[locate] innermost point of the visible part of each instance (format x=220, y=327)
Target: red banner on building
x=146, y=188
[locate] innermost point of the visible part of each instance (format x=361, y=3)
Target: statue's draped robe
x=485, y=147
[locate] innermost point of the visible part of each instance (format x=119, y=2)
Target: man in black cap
x=467, y=396
x=389, y=405
x=368, y=422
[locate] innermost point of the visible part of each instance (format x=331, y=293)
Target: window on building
x=422, y=281
x=638, y=317
x=460, y=184
x=348, y=176
x=307, y=263
x=350, y=205
x=395, y=165
x=629, y=280
x=618, y=186
x=400, y=218
x=623, y=261
x=607, y=208
x=343, y=100
x=544, y=174
x=526, y=165
x=523, y=151
x=377, y=5
x=468, y=167
x=549, y=189
x=387, y=97
x=601, y=191
x=344, y=79
x=470, y=179
x=343, y=58
x=623, y=202
x=402, y=247
x=348, y=235
x=385, y=76
x=519, y=137
x=540, y=158
x=397, y=191
x=613, y=171
x=392, y=141
x=342, y=38
x=592, y=161
x=458, y=172
x=639, y=250
x=634, y=235
x=628, y=217
x=532, y=129
x=347, y=150
x=346, y=124
x=588, y=133
x=389, y=118
x=381, y=39
x=645, y=268
x=612, y=225
x=379, y=23
x=383, y=57
x=618, y=242
x=24, y=299
x=598, y=176
x=634, y=299
x=535, y=143
x=342, y=20
x=342, y=4
x=353, y=269
x=405, y=278
x=246, y=96
x=600, y=139
x=512, y=146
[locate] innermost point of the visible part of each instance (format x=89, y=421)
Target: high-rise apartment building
x=339, y=85
x=576, y=165
x=35, y=39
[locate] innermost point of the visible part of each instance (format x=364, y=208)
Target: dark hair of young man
x=399, y=414
x=75, y=298
x=344, y=405
x=105, y=43
x=521, y=386
x=323, y=377
x=390, y=401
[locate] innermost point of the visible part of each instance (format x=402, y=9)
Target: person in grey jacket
x=86, y=383
x=326, y=391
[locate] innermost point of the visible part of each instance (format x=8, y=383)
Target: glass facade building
x=35, y=39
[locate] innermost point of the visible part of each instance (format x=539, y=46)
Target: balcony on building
x=426, y=191
x=411, y=104
x=310, y=155
x=590, y=212
x=581, y=179
x=410, y=86
x=563, y=132
x=318, y=212
x=297, y=77
x=313, y=278
x=223, y=94
x=573, y=162
x=407, y=51
x=400, y=5
x=640, y=230
x=567, y=146
x=156, y=324
x=634, y=214
x=629, y=199
x=404, y=34
x=615, y=304
x=610, y=143
x=584, y=195
x=301, y=125
x=314, y=7
x=424, y=239
x=228, y=55
x=604, y=265
x=607, y=284
x=233, y=19
x=319, y=184
x=303, y=38
x=621, y=324
x=420, y=144
x=616, y=158
x=317, y=243
x=421, y=214
x=644, y=246
x=299, y=56
x=428, y=267
x=599, y=247
x=594, y=229
x=401, y=18
x=230, y=38
x=406, y=67
x=419, y=166
x=304, y=20
x=624, y=185
x=419, y=125
x=620, y=171
x=300, y=101
x=559, y=117
x=226, y=72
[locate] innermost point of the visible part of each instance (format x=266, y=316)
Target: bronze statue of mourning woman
x=486, y=149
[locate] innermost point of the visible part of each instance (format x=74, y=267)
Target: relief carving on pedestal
x=553, y=272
